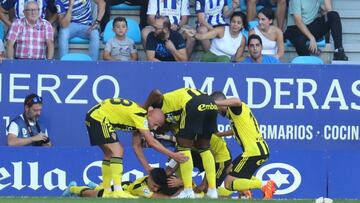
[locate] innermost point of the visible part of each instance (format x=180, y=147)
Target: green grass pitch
x=100, y=200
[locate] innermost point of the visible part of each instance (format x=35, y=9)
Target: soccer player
x=255, y=149
x=104, y=119
x=152, y=186
x=194, y=113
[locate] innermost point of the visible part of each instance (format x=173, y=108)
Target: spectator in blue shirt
x=255, y=48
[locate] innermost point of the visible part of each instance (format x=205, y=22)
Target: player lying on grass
x=152, y=186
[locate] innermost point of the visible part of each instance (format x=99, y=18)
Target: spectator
x=143, y=9
x=210, y=14
x=76, y=21
x=304, y=24
x=34, y=36
x=164, y=44
x=120, y=47
x=15, y=8
x=2, y=50
x=271, y=36
x=177, y=12
x=280, y=10
x=227, y=41
x=255, y=49
x=26, y=129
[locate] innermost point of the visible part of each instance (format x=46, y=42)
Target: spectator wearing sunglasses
x=26, y=129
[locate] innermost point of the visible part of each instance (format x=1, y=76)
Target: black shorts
x=245, y=167
x=100, y=132
x=199, y=118
x=219, y=167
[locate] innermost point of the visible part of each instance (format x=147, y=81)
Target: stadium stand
x=76, y=57
x=307, y=60
x=348, y=10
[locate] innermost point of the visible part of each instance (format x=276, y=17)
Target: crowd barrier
x=309, y=115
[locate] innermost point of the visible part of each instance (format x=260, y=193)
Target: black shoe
x=340, y=55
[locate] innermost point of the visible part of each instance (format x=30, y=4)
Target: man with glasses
x=164, y=44
x=34, y=36
x=26, y=129
x=15, y=8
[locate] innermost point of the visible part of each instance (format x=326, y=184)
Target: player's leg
x=186, y=168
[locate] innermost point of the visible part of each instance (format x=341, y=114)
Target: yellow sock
x=78, y=189
x=209, y=167
x=223, y=192
x=116, y=167
x=186, y=169
x=242, y=184
x=106, y=174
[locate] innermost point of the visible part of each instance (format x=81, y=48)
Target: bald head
x=156, y=118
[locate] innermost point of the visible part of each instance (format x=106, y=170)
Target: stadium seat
x=307, y=60
x=76, y=57
x=125, y=7
x=2, y=31
x=78, y=40
x=320, y=42
x=133, y=31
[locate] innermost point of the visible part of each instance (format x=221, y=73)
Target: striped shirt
x=213, y=10
x=81, y=12
x=19, y=6
x=174, y=9
x=30, y=40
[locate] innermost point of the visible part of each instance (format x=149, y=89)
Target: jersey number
x=255, y=122
x=123, y=102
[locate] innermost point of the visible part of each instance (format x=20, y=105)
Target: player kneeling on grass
x=152, y=186
x=245, y=129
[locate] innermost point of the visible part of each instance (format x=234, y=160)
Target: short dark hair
x=268, y=12
x=243, y=18
x=32, y=99
x=217, y=95
x=159, y=176
x=119, y=19
x=254, y=36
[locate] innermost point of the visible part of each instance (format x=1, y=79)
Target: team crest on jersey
x=146, y=123
x=147, y=192
x=24, y=132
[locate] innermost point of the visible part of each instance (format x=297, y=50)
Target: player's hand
x=149, y=169
x=173, y=181
x=170, y=45
x=180, y=157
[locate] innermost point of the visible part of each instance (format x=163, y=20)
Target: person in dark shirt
x=163, y=44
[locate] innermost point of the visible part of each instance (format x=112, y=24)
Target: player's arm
x=224, y=134
x=179, y=157
x=136, y=143
x=231, y=102
x=155, y=97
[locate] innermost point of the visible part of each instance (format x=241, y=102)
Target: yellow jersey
x=139, y=188
x=175, y=101
x=246, y=131
x=219, y=149
x=122, y=114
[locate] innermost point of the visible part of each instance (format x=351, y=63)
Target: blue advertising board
x=307, y=113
